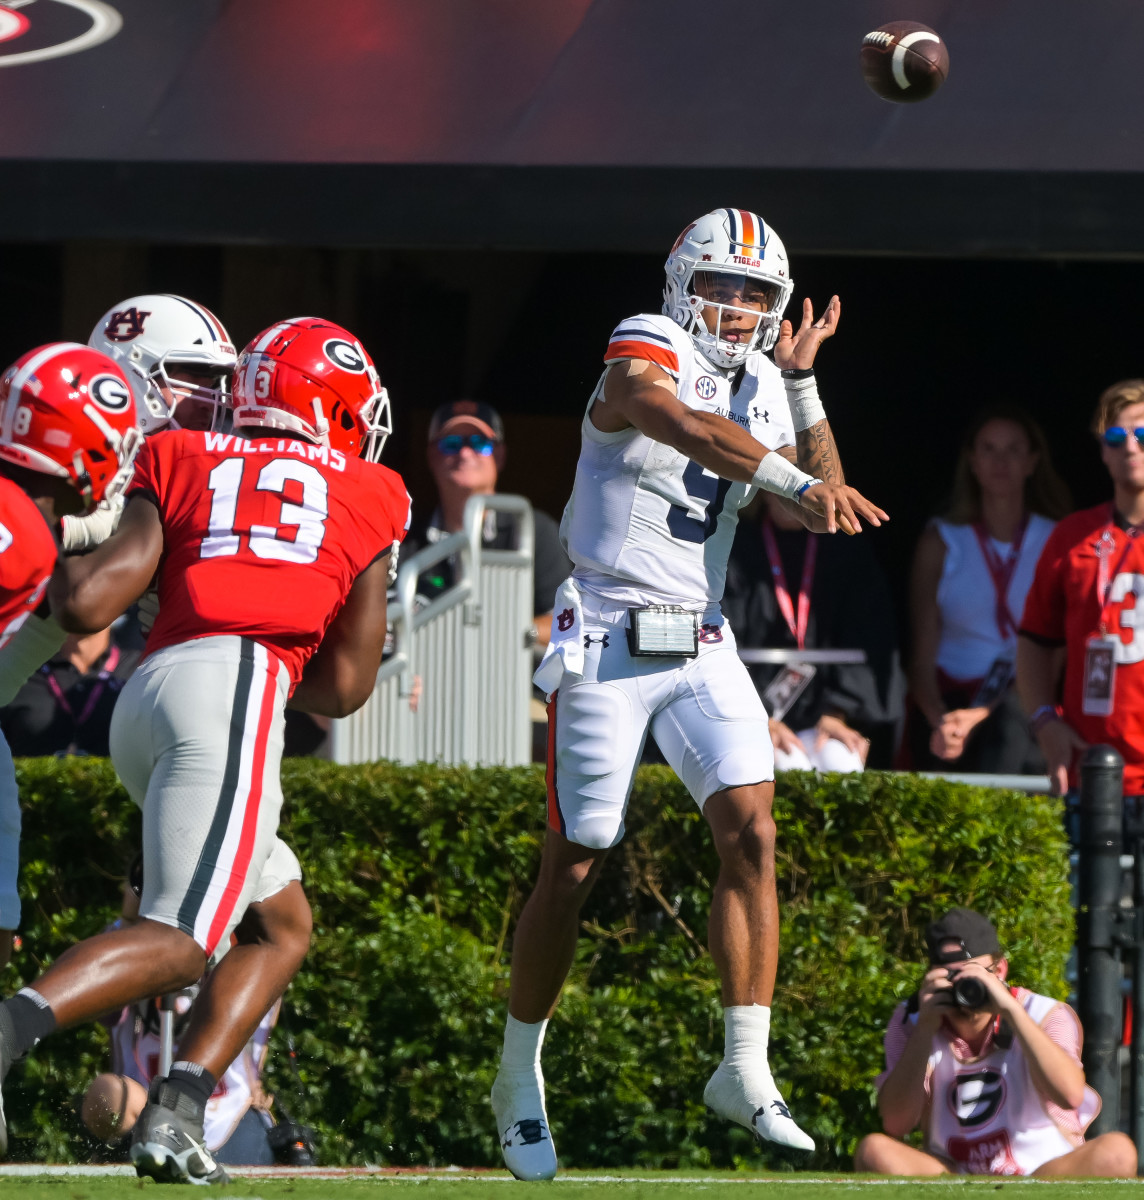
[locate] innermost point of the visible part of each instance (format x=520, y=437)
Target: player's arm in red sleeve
x=340, y=676
x=88, y=591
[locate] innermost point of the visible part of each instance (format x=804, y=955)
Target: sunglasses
x=1116, y=435
x=477, y=442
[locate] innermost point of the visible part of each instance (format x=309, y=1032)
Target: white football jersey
x=645, y=524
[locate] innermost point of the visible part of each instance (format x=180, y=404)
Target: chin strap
x=321, y=425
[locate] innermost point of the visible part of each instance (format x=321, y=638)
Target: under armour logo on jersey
x=125, y=324
x=589, y=639
x=564, y=620
x=763, y=415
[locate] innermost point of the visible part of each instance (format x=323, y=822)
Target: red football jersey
x=1063, y=607
x=27, y=556
x=263, y=538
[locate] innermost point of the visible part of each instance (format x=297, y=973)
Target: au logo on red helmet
x=34, y=31
x=125, y=324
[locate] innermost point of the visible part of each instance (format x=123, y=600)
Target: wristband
x=777, y=475
x=802, y=398
x=1045, y=715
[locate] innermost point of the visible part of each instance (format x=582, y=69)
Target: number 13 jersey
x=645, y=524
x=263, y=538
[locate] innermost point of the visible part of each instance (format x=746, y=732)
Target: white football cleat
x=522, y=1125
x=752, y=1099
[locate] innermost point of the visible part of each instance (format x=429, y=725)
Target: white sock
x=522, y=1042
x=747, y=1030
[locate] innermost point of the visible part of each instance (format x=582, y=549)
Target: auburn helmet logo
x=124, y=325
x=976, y=1096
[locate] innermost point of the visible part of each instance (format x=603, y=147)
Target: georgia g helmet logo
x=976, y=1096
x=124, y=325
x=109, y=393
x=345, y=355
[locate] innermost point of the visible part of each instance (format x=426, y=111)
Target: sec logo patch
x=705, y=387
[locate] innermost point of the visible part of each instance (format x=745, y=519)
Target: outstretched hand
x=841, y=506
x=796, y=350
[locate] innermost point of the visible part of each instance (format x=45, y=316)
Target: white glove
x=148, y=607
x=85, y=533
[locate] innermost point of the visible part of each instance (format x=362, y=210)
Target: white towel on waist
x=564, y=654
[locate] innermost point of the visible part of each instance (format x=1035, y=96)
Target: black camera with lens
x=293, y=1144
x=969, y=992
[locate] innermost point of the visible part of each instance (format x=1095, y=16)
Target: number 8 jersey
x=263, y=538
x=645, y=524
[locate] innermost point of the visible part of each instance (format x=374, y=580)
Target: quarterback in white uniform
x=688, y=420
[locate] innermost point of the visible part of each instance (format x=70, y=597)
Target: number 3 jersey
x=645, y=524
x=263, y=538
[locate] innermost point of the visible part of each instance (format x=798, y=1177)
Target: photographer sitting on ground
x=992, y=1074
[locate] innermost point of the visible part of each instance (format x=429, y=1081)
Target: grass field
x=572, y=1185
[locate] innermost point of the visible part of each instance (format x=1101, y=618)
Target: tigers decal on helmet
x=314, y=379
x=68, y=410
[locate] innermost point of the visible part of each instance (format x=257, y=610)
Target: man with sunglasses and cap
x=991, y=1073
x=1086, y=599
x=466, y=455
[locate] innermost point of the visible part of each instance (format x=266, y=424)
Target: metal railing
x=456, y=687
x=765, y=655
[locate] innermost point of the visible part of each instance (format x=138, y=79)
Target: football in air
x=904, y=61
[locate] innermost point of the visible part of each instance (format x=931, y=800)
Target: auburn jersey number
x=307, y=520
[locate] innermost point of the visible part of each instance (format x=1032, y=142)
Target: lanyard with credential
x=797, y=625
x=1002, y=574
x=1105, y=573
x=58, y=692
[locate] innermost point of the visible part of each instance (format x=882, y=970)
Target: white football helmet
x=727, y=246
x=151, y=338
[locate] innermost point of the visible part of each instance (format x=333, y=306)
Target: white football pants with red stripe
x=197, y=739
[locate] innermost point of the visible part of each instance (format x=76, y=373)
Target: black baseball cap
x=466, y=412
x=975, y=932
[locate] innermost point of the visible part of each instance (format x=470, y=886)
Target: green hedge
x=416, y=876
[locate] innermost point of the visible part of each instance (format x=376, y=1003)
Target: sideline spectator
x=466, y=454
x=66, y=706
x=1084, y=607
x=971, y=573
x=993, y=1079
x=788, y=588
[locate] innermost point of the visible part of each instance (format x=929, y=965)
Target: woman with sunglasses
x=972, y=570
x=1087, y=599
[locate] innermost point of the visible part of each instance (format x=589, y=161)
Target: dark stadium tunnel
x=923, y=343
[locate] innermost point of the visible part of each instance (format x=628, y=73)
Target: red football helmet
x=68, y=410
x=314, y=379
